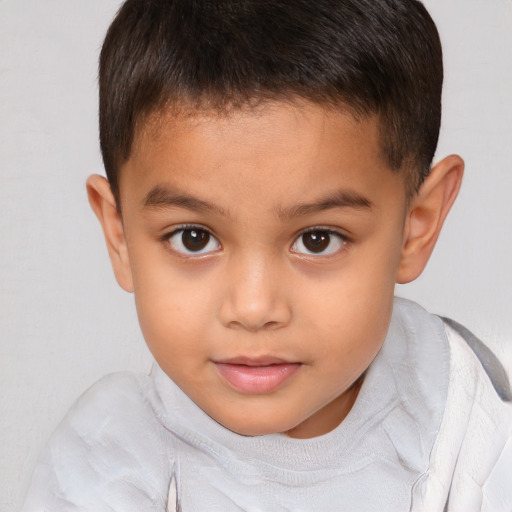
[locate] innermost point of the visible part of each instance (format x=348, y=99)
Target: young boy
x=269, y=181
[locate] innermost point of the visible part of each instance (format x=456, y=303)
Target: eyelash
x=343, y=241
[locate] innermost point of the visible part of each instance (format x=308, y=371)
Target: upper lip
x=254, y=361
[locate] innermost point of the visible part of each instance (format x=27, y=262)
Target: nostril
x=246, y=326
x=272, y=325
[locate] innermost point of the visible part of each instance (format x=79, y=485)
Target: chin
x=258, y=427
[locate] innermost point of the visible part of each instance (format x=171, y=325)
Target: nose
x=255, y=295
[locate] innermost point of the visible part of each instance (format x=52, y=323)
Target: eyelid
x=180, y=227
x=326, y=229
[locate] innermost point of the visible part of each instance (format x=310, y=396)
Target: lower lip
x=257, y=379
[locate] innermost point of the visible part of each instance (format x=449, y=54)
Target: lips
x=258, y=375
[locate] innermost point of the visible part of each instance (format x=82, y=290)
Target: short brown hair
x=373, y=56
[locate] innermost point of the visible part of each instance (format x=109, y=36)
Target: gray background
x=63, y=320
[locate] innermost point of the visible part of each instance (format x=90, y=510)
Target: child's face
x=263, y=252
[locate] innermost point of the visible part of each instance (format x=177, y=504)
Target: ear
x=426, y=215
x=104, y=206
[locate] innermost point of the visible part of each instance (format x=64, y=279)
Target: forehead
x=281, y=149
x=293, y=120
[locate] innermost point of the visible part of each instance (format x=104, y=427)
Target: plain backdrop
x=63, y=320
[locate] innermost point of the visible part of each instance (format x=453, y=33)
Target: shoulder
x=471, y=461
x=114, y=409
x=478, y=355
x=107, y=454
x=469, y=359
x=481, y=477
x=112, y=398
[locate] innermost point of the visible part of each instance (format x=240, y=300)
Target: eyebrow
x=161, y=197
x=339, y=199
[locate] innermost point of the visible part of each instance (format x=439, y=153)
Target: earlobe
x=426, y=215
x=104, y=206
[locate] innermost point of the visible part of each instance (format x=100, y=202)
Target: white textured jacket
x=470, y=468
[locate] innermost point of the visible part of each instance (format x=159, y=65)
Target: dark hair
x=378, y=57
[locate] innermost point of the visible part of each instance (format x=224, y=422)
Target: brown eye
x=193, y=241
x=318, y=242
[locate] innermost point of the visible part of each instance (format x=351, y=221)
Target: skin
x=256, y=180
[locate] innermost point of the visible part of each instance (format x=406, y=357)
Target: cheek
x=174, y=310
x=352, y=310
